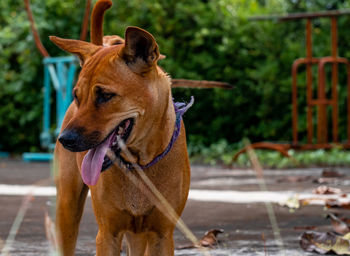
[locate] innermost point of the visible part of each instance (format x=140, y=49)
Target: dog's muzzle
x=74, y=140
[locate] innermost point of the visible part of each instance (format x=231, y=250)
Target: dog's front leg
x=108, y=244
x=71, y=195
x=161, y=245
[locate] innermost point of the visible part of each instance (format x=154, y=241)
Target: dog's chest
x=135, y=200
x=127, y=195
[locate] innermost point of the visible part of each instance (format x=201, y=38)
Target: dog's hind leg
x=71, y=195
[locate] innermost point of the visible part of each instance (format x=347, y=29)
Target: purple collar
x=180, y=109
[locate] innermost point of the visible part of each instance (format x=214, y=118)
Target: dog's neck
x=159, y=133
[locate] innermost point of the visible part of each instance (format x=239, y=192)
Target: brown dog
x=120, y=92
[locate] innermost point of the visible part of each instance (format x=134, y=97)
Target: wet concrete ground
x=247, y=227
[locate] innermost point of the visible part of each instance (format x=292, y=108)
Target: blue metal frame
x=4, y=154
x=59, y=72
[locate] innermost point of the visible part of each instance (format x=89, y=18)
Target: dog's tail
x=96, y=29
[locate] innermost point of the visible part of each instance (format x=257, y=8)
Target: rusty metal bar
x=335, y=59
x=321, y=102
x=35, y=32
x=85, y=24
x=282, y=148
x=184, y=83
x=312, y=60
x=298, y=16
x=327, y=59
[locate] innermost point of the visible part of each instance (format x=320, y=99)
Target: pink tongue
x=92, y=162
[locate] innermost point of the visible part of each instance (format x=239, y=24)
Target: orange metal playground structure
x=320, y=102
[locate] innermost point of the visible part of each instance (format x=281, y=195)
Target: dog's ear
x=82, y=49
x=140, y=51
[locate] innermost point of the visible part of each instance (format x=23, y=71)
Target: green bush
x=202, y=39
x=21, y=69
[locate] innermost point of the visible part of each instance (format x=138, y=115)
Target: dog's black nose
x=76, y=140
x=69, y=139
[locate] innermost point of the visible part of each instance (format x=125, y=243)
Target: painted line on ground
x=224, y=196
x=22, y=190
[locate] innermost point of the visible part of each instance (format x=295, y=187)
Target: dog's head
x=120, y=91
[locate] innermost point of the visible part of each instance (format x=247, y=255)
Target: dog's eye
x=75, y=96
x=103, y=97
x=117, y=42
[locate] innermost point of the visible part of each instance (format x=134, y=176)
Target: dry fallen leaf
x=304, y=227
x=331, y=173
x=325, y=190
x=338, y=225
x=336, y=203
x=324, y=243
x=210, y=238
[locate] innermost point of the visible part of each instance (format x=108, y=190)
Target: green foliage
x=222, y=153
x=202, y=39
x=320, y=157
x=21, y=66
